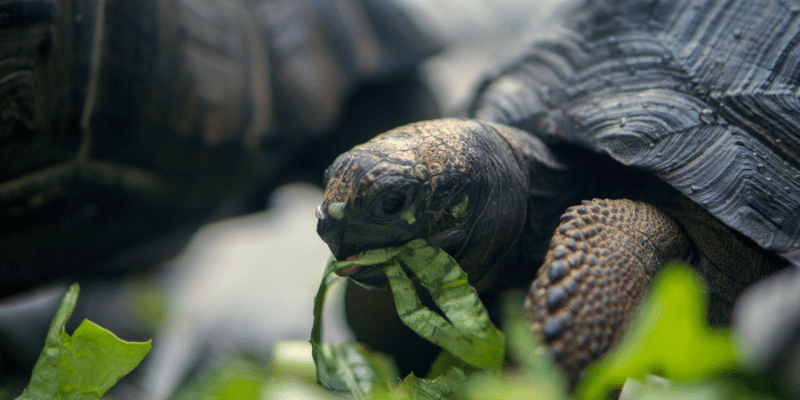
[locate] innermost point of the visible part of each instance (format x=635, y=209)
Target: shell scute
x=703, y=94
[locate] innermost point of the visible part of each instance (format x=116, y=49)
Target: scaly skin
x=435, y=179
x=600, y=262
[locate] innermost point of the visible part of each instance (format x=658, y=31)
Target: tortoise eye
x=393, y=203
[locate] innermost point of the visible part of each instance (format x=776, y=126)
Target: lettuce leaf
x=465, y=330
x=668, y=336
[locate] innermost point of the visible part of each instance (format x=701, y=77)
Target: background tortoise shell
x=124, y=126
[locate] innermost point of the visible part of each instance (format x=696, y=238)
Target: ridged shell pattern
x=702, y=93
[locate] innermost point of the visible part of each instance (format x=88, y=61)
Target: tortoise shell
x=126, y=125
x=703, y=94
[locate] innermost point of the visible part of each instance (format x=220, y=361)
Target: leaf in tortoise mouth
x=465, y=329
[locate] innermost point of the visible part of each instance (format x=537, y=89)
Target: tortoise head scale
x=440, y=180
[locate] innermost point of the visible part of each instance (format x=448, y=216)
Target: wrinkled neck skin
x=550, y=186
x=480, y=191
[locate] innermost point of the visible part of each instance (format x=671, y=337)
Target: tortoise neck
x=552, y=185
x=560, y=178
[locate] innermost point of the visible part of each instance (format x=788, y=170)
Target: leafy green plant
x=235, y=378
x=84, y=365
x=669, y=337
x=464, y=331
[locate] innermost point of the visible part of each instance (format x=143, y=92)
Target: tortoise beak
x=342, y=238
x=331, y=232
x=347, y=238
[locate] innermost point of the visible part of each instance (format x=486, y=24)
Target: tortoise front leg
x=600, y=262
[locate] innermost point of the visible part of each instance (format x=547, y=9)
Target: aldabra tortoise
x=124, y=125
x=666, y=129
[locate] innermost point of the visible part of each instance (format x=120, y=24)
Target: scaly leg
x=600, y=262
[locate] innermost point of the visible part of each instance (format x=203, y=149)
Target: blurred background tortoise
x=665, y=129
x=126, y=126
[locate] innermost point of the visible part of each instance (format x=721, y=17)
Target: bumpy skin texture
x=599, y=265
x=494, y=199
x=434, y=179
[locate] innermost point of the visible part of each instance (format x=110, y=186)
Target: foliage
x=464, y=331
x=668, y=337
x=663, y=339
x=84, y=365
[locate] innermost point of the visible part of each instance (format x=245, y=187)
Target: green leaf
x=82, y=366
x=669, y=337
x=507, y=386
x=44, y=383
x=466, y=332
x=234, y=378
x=93, y=360
x=708, y=389
x=535, y=377
x=445, y=362
x=340, y=368
x=441, y=387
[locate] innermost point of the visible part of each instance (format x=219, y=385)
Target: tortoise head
x=456, y=183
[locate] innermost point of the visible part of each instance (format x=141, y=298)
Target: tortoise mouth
x=369, y=276
x=351, y=270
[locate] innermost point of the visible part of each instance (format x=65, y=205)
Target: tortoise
x=666, y=130
x=124, y=126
